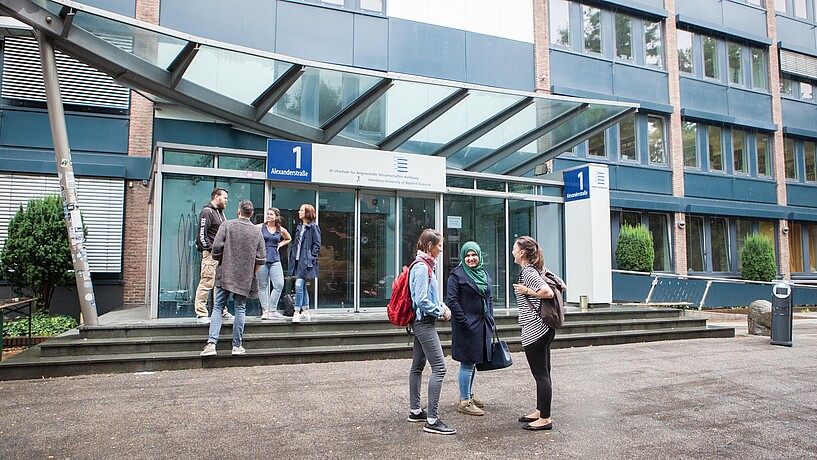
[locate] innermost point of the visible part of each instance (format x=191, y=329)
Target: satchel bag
x=500, y=356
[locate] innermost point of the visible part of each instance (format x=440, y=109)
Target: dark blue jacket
x=471, y=326
x=310, y=247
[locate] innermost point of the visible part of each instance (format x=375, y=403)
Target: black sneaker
x=421, y=417
x=439, y=428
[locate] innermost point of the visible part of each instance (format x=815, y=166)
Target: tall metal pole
x=68, y=183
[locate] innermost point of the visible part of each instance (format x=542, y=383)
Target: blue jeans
x=240, y=307
x=427, y=348
x=466, y=380
x=270, y=272
x=301, y=294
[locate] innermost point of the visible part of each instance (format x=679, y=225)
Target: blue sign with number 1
x=290, y=161
x=577, y=184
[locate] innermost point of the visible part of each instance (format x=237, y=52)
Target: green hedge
x=634, y=249
x=757, y=258
x=41, y=325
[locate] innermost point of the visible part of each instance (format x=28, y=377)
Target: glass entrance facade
x=367, y=235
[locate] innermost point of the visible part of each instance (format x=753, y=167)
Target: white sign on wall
x=331, y=164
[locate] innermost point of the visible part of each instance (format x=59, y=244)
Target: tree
x=36, y=257
x=757, y=258
x=634, y=249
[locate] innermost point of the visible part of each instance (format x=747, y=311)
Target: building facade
x=723, y=143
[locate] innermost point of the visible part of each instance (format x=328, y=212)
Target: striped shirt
x=533, y=328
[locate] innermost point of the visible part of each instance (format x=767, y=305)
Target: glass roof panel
x=473, y=110
x=581, y=123
x=49, y=5
x=153, y=47
x=537, y=114
x=240, y=76
x=402, y=103
x=321, y=94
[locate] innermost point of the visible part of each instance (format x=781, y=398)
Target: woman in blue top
x=472, y=320
x=275, y=237
x=427, y=309
x=303, y=259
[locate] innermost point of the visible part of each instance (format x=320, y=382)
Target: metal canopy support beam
x=346, y=116
x=179, y=66
x=67, y=14
x=567, y=144
x=68, y=184
x=468, y=137
x=264, y=103
x=407, y=131
x=506, y=150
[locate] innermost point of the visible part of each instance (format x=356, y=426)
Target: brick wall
x=140, y=143
x=541, y=46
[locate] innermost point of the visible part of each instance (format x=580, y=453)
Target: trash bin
x=781, y=314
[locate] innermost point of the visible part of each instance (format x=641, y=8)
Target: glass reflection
x=236, y=75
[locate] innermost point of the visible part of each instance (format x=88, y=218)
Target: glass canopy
x=476, y=128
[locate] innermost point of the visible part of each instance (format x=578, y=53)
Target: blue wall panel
x=123, y=7
x=798, y=33
x=494, y=61
x=641, y=84
x=721, y=103
x=799, y=115
x=723, y=187
x=85, y=164
x=801, y=195
x=371, y=43
x=724, y=17
x=704, y=96
x=736, y=295
x=312, y=32
x=743, y=17
x=749, y=104
x=89, y=133
x=425, y=49
x=581, y=72
x=641, y=179
x=631, y=288
x=209, y=134
x=251, y=25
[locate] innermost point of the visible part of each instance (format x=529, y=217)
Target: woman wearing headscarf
x=472, y=320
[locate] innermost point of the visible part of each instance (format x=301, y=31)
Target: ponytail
x=533, y=253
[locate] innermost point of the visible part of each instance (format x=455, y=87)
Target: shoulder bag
x=500, y=356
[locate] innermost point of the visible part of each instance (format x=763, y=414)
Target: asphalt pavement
x=705, y=399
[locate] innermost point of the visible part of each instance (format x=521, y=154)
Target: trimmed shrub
x=41, y=325
x=36, y=257
x=757, y=258
x=634, y=249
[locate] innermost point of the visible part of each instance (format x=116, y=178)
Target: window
x=759, y=77
x=655, y=131
x=739, y=151
x=660, y=238
x=800, y=9
x=788, y=157
x=592, y=29
x=744, y=229
x=785, y=86
x=372, y=5
x=733, y=54
x=806, y=91
x=812, y=247
x=795, y=247
x=695, y=243
x=719, y=231
x=710, y=57
x=689, y=134
x=595, y=146
x=633, y=219
x=559, y=23
x=685, y=57
x=653, y=44
x=715, y=148
x=624, y=37
x=809, y=154
x=626, y=130
x=780, y=5
x=764, y=155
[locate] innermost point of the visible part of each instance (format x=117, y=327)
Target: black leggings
x=538, y=355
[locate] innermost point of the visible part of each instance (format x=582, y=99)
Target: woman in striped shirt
x=530, y=288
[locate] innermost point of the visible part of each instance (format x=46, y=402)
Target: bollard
x=583, y=302
x=781, y=314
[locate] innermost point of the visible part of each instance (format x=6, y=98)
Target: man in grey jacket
x=239, y=248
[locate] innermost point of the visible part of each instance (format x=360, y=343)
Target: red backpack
x=401, y=308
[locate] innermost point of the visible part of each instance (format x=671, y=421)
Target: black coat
x=307, y=266
x=470, y=325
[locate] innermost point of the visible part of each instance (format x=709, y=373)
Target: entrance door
x=377, y=249
x=336, y=277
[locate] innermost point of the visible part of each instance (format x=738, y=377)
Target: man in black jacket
x=210, y=219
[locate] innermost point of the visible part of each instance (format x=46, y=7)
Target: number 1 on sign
x=297, y=152
x=581, y=180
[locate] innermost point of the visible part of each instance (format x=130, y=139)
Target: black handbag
x=500, y=356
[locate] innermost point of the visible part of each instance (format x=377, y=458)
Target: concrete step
x=31, y=364
x=286, y=336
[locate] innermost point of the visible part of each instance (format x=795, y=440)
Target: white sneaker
x=202, y=320
x=266, y=316
x=227, y=315
x=296, y=318
x=209, y=350
x=275, y=315
x=239, y=350
x=305, y=316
